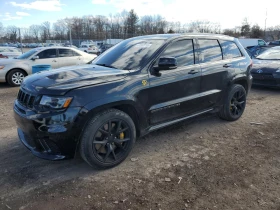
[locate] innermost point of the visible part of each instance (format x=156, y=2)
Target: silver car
x=14, y=70
x=9, y=52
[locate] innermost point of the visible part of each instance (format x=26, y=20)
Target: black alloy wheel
x=237, y=105
x=111, y=141
x=234, y=103
x=108, y=139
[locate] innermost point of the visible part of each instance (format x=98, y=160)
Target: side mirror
x=167, y=63
x=35, y=57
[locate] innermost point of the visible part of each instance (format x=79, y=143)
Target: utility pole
x=70, y=37
x=20, y=40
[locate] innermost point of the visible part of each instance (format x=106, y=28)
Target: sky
x=229, y=14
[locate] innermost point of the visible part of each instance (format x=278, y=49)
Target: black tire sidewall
x=91, y=129
x=232, y=91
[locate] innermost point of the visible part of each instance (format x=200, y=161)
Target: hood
x=59, y=81
x=266, y=66
x=5, y=61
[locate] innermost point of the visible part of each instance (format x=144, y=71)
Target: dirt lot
x=205, y=163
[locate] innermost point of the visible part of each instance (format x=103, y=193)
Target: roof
x=170, y=36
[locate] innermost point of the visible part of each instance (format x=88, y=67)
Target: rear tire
x=15, y=77
x=108, y=139
x=234, y=104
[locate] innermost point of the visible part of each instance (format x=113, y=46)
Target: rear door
x=214, y=72
x=68, y=57
x=175, y=93
x=48, y=56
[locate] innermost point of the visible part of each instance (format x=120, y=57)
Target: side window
x=261, y=42
x=210, y=50
x=230, y=50
x=50, y=53
x=65, y=53
x=75, y=53
x=182, y=50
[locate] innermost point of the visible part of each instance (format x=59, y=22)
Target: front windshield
x=27, y=54
x=270, y=54
x=129, y=54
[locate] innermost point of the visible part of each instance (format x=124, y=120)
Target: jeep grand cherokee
x=137, y=86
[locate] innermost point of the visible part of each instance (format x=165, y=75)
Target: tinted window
x=270, y=54
x=230, y=50
x=130, y=54
x=261, y=42
x=65, y=53
x=50, y=53
x=209, y=50
x=182, y=50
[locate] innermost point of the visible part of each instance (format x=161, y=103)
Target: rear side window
x=182, y=50
x=65, y=53
x=230, y=50
x=210, y=50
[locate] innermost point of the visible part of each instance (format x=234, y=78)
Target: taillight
x=89, y=48
x=3, y=56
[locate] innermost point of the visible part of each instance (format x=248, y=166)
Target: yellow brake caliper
x=122, y=135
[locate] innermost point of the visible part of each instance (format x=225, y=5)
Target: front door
x=174, y=94
x=48, y=57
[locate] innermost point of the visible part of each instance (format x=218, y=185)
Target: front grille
x=25, y=99
x=264, y=82
x=262, y=76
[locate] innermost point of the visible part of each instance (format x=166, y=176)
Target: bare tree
x=12, y=33
x=46, y=30
x=35, y=31
x=1, y=30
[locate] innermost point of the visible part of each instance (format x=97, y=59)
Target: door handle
x=193, y=72
x=226, y=65
x=54, y=61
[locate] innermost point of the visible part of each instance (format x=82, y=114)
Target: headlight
x=55, y=102
x=2, y=67
x=278, y=71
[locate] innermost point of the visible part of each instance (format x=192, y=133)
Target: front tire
x=234, y=104
x=15, y=77
x=108, y=139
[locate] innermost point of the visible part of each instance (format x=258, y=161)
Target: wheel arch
x=130, y=107
x=6, y=77
x=241, y=80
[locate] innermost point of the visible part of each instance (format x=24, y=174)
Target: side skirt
x=155, y=127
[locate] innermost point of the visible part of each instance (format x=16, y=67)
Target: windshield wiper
x=103, y=64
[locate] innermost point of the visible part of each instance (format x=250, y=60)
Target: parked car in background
x=104, y=47
x=256, y=50
x=89, y=48
x=138, y=86
x=13, y=71
x=9, y=52
x=274, y=43
x=266, y=68
x=252, y=42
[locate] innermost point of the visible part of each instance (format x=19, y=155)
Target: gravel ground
x=203, y=163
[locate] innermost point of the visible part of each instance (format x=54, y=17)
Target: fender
x=110, y=102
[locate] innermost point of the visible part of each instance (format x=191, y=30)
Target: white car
x=14, y=70
x=9, y=52
x=89, y=48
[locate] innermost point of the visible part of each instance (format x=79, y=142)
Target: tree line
x=125, y=25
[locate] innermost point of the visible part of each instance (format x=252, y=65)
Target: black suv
x=137, y=86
